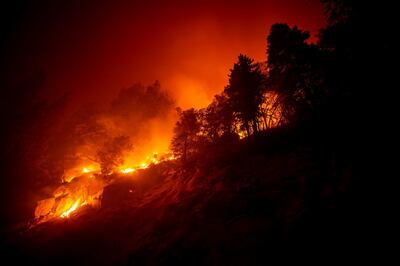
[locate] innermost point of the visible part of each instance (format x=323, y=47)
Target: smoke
x=87, y=51
x=145, y=114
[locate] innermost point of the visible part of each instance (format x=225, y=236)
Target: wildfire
x=154, y=159
x=69, y=197
x=127, y=170
x=86, y=170
x=78, y=171
x=90, y=168
x=241, y=134
x=70, y=210
x=84, y=186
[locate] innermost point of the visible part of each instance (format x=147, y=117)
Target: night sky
x=92, y=49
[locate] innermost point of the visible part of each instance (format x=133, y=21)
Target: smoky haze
x=96, y=46
x=47, y=144
x=69, y=63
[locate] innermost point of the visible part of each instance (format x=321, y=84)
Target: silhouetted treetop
x=245, y=92
x=338, y=11
x=294, y=70
x=218, y=117
x=186, y=133
x=286, y=46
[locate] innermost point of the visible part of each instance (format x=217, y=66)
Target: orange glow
x=127, y=170
x=190, y=50
x=271, y=110
x=154, y=159
x=241, y=134
x=79, y=170
x=70, y=210
x=84, y=184
x=86, y=189
x=69, y=197
x=86, y=170
x=90, y=168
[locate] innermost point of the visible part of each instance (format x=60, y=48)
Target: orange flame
x=127, y=170
x=85, y=189
x=70, y=210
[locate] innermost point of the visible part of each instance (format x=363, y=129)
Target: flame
x=70, y=197
x=83, y=188
x=241, y=134
x=77, y=171
x=153, y=159
x=70, y=210
x=86, y=170
x=84, y=184
x=90, y=168
x=127, y=170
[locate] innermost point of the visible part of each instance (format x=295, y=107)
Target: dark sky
x=91, y=49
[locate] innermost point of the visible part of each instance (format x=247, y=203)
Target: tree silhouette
x=76, y=141
x=245, y=92
x=218, y=118
x=338, y=11
x=111, y=153
x=186, y=133
x=294, y=72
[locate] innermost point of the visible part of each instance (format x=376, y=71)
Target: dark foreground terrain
x=254, y=205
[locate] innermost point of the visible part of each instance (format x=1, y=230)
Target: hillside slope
x=256, y=205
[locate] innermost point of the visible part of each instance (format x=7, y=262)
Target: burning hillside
x=88, y=151
x=244, y=202
x=99, y=145
x=131, y=178
x=83, y=185
x=69, y=197
x=87, y=189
